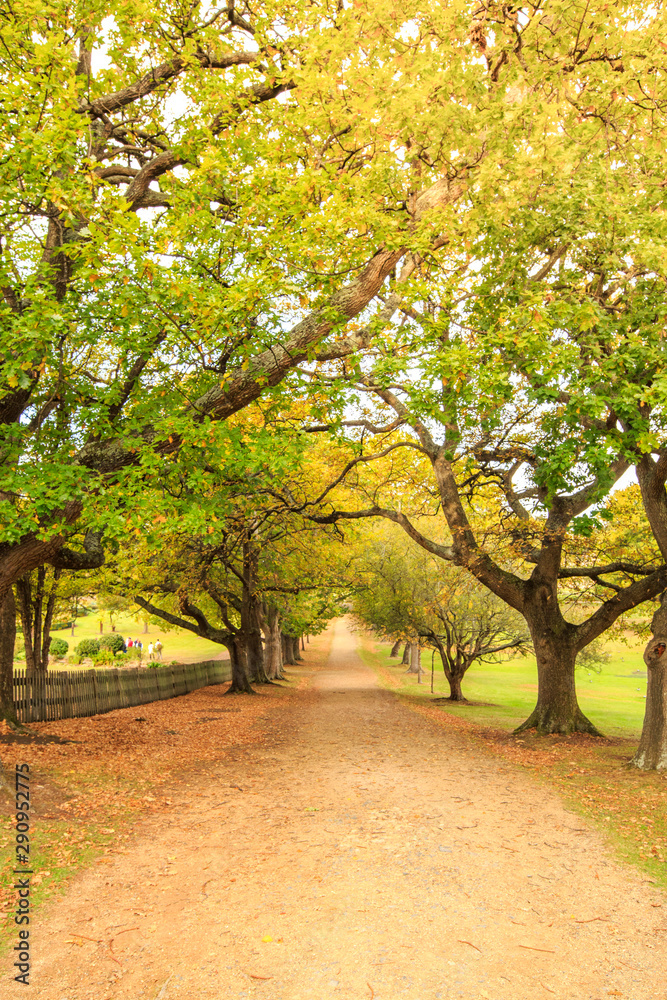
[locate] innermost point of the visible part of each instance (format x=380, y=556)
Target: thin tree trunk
x=48, y=619
x=652, y=750
x=36, y=617
x=395, y=649
x=297, y=652
x=24, y=594
x=406, y=655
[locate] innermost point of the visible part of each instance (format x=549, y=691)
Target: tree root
x=240, y=690
x=547, y=722
x=17, y=727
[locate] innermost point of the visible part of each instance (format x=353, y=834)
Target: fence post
x=68, y=698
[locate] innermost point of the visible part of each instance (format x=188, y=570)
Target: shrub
x=88, y=647
x=112, y=641
x=61, y=626
x=58, y=647
x=103, y=658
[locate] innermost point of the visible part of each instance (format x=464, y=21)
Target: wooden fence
x=71, y=694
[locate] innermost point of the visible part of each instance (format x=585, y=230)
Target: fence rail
x=72, y=694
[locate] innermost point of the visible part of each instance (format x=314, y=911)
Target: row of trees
x=431, y=229
x=405, y=595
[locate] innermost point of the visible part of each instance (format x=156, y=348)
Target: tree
x=37, y=594
x=411, y=593
x=227, y=559
x=533, y=363
x=189, y=222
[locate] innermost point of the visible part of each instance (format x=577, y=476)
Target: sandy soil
x=358, y=851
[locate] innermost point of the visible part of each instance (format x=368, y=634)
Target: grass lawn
x=503, y=694
x=593, y=776
x=181, y=645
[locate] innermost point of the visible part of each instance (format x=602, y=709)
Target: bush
x=61, y=626
x=112, y=641
x=88, y=647
x=58, y=647
x=103, y=659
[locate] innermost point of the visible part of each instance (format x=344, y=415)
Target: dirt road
x=358, y=852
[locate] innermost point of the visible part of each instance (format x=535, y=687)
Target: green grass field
x=503, y=694
x=181, y=645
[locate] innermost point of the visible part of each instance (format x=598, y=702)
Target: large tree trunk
x=250, y=616
x=273, y=648
x=405, y=659
x=395, y=649
x=239, y=663
x=254, y=646
x=7, y=643
x=415, y=659
x=291, y=652
x=557, y=709
x=454, y=679
x=297, y=649
x=454, y=667
x=652, y=751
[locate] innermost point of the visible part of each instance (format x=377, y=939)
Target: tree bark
x=239, y=663
x=250, y=615
x=7, y=643
x=273, y=648
x=395, y=649
x=405, y=659
x=652, y=750
x=455, y=691
x=557, y=709
x=285, y=648
x=415, y=659
x=36, y=610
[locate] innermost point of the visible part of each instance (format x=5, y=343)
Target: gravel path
x=358, y=852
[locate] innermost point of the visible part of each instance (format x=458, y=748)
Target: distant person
x=129, y=644
x=150, y=652
x=158, y=649
x=139, y=646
